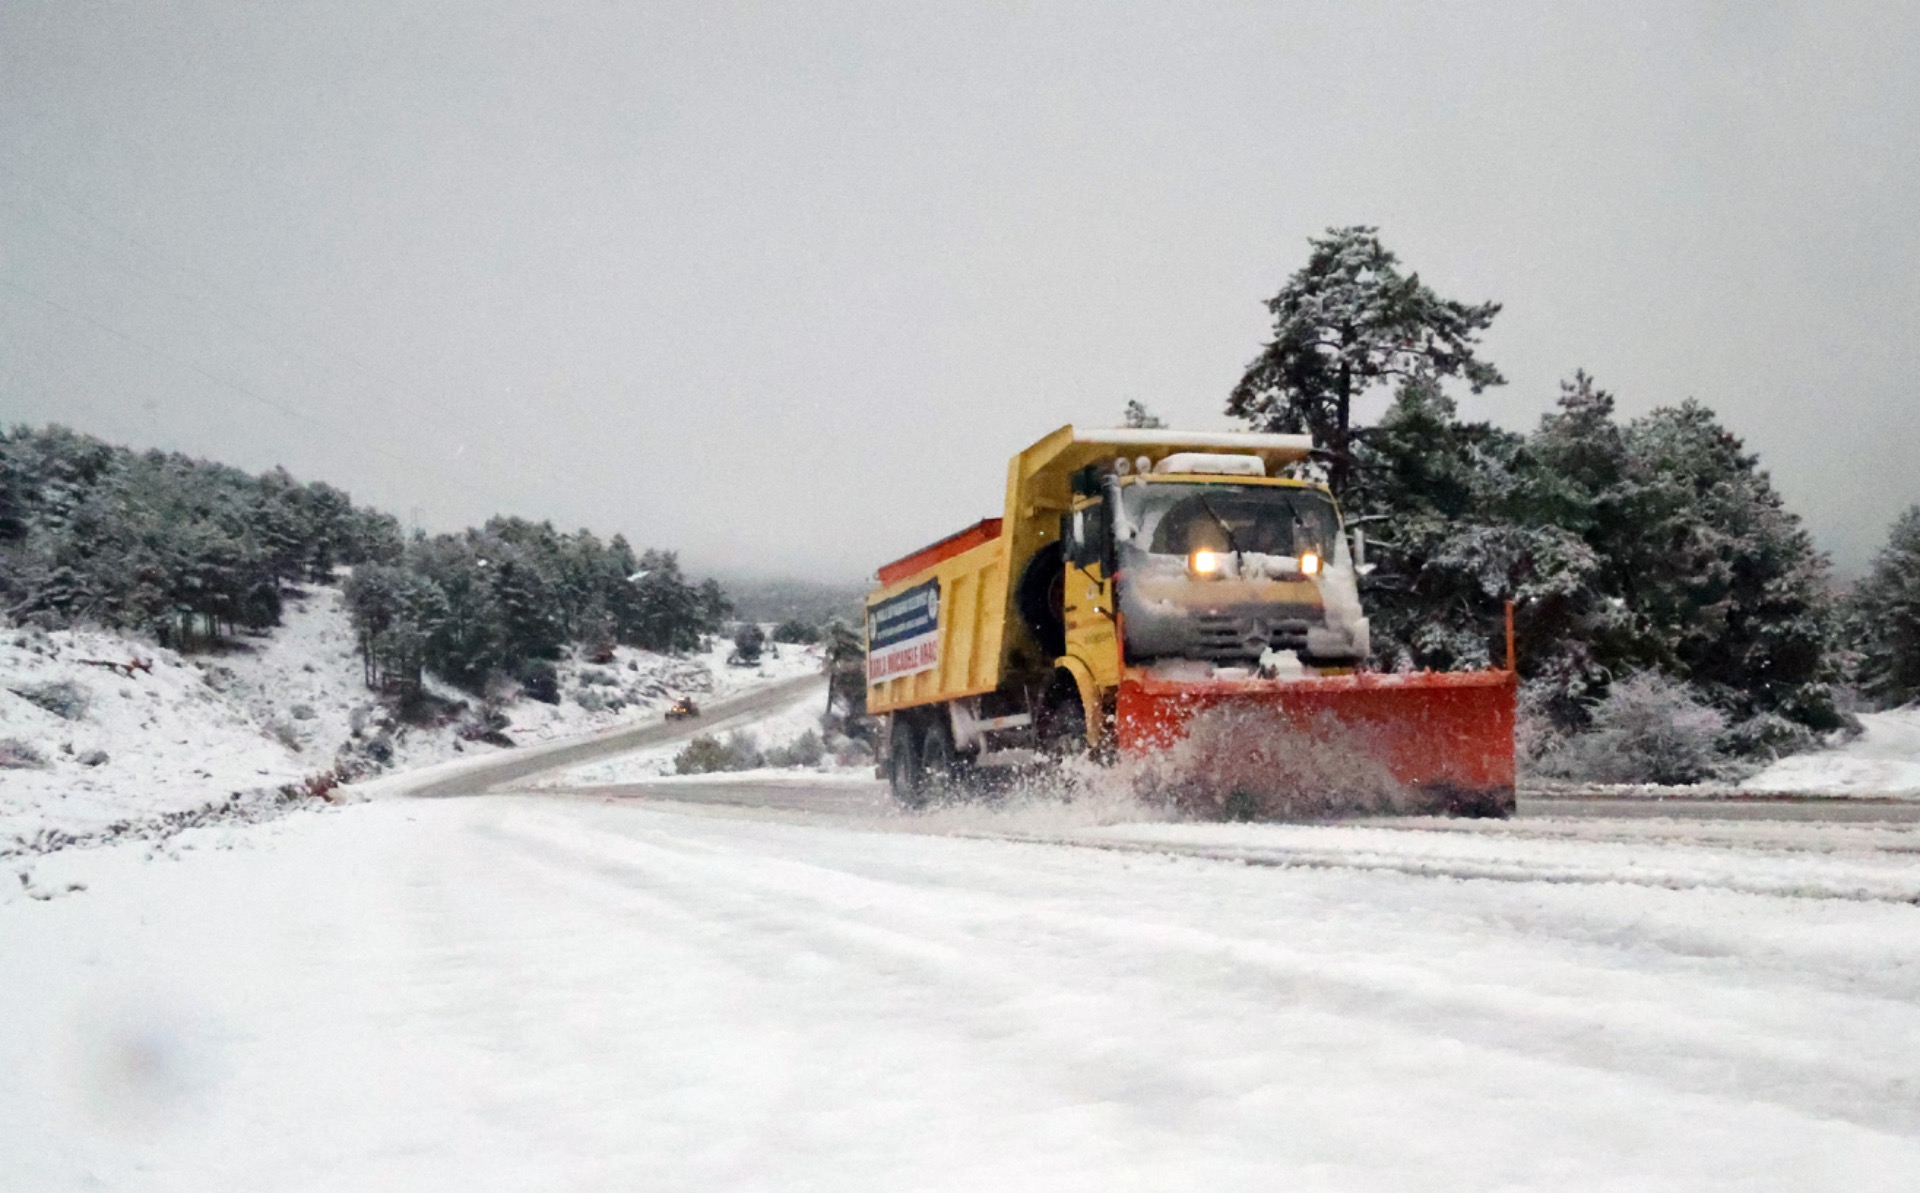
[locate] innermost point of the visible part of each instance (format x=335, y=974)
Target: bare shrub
x=806, y=750
x=63, y=698
x=1259, y=764
x=1536, y=733
x=488, y=724
x=1649, y=728
x=847, y=751
x=707, y=754
x=19, y=755
x=284, y=733
x=1767, y=736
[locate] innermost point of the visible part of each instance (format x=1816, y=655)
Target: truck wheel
x=1040, y=598
x=1063, y=726
x=904, y=771
x=942, y=772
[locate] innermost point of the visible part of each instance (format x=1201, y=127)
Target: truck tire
x=943, y=774
x=1040, y=598
x=904, y=771
x=1063, y=722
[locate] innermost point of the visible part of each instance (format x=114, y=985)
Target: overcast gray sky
x=783, y=285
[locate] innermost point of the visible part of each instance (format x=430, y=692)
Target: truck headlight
x=1204, y=563
x=1309, y=564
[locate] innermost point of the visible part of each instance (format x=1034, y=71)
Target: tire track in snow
x=832, y=909
x=1896, y=889
x=1851, y=863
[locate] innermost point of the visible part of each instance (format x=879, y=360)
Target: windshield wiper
x=1225, y=529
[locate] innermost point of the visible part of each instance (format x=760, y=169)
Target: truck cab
x=1201, y=566
x=1210, y=561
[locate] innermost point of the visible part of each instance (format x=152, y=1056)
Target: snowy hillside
x=84, y=744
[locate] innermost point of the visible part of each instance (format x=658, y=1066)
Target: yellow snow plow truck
x=1136, y=578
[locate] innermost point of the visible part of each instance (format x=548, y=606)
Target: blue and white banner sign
x=903, y=633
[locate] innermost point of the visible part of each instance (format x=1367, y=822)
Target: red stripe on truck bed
x=983, y=531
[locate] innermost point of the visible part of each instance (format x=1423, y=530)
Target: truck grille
x=1222, y=637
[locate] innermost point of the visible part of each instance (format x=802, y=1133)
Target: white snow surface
x=1883, y=761
x=274, y=709
x=541, y=992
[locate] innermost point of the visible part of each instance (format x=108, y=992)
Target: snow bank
x=1883, y=761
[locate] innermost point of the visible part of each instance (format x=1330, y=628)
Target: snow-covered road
x=536, y=992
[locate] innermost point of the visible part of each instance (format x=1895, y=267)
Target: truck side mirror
x=1360, y=565
x=1088, y=541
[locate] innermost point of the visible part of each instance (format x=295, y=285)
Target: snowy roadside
x=1882, y=763
x=529, y=992
x=103, y=735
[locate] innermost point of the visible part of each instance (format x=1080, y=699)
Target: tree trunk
x=1343, y=418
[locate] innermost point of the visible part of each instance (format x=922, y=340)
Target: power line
x=244, y=391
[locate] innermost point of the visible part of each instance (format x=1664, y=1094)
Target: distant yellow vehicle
x=683, y=709
x=1136, y=577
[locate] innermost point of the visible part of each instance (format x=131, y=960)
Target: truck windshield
x=1178, y=519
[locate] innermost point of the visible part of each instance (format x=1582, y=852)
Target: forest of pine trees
x=191, y=552
x=1652, y=546
x=156, y=542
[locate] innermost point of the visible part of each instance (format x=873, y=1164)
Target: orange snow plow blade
x=1447, y=735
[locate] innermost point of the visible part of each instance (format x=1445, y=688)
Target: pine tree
x=1654, y=546
x=1139, y=418
x=1883, y=616
x=1452, y=543
x=748, y=645
x=1346, y=322
x=845, y=663
x=1724, y=582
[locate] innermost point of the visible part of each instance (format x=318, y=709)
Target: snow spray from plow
x=1448, y=737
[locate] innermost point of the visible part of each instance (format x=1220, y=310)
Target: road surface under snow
x=727, y=985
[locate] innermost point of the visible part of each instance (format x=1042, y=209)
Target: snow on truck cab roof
x=1072, y=448
x=1040, y=476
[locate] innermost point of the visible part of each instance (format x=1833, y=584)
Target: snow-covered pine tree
x=1572, y=467
x=1726, y=588
x=1883, y=617
x=1659, y=546
x=530, y=611
x=748, y=645
x=1454, y=539
x=846, y=667
x=714, y=606
x=467, y=634
x=669, y=614
x=1138, y=417
x=1346, y=322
